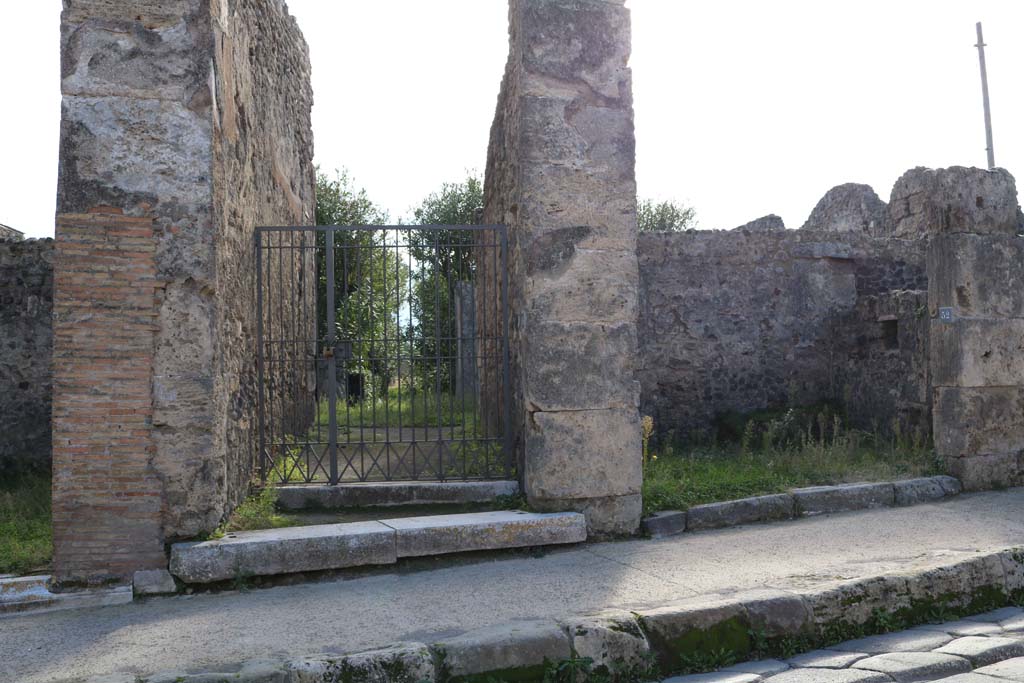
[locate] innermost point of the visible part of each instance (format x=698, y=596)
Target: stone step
x=271, y=552
x=387, y=494
x=32, y=594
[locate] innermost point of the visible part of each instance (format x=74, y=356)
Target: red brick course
x=107, y=498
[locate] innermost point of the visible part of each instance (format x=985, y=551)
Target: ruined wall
x=560, y=175
x=737, y=321
x=194, y=115
x=26, y=344
x=263, y=176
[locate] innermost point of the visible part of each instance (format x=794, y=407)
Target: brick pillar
x=560, y=175
x=976, y=304
x=189, y=122
x=107, y=495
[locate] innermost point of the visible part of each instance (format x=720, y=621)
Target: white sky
x=743, y=107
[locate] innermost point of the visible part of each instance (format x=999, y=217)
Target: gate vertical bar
x=261, y=410
x=332, y=374
x=506, y=364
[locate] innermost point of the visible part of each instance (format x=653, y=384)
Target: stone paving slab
x=914, y=666
x=983, y=650
x=921, y=639
x=1010, y=669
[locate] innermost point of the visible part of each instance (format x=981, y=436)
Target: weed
x=26, y=534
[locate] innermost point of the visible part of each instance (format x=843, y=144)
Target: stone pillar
x=560, y=176
x=466, y=385
x=184, y=125
x=976, y=304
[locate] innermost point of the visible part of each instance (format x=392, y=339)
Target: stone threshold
x=802, y=502
x=663, y=640
x=32, y=594
x=273, y=552
x=293, y=497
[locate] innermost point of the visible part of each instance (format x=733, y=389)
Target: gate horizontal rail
x=382, y=353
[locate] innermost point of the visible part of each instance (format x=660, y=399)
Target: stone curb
x=802, y=502
x=619, y=641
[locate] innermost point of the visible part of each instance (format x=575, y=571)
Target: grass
x=26, y=534
x=777, y=455
x=406, y=407
x=258, y=511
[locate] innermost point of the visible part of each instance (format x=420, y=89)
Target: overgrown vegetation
x=779, y=451
x=258, y=511
x=666, y=216
x=26, y=534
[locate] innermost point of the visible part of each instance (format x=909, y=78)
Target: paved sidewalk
x=986, y=648
x=346, y=615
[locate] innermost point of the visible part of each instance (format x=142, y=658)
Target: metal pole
x=332, y=372
x=984, y=95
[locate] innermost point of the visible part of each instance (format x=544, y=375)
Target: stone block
x=982, y=650
x=978, y=420
x=664, y=523
x=818, y=500
x=826, y=659
x=586, y=42
x=972, y=583
x=716, y=677
x=977, y=353
x=1010, y=669
x=965, y=627
x=608, y=517
x=613, y=641
x=319, y=496
x=987, y=472
x=742, y=511
x=856, y=602
x=583, y=454
x=154, y=582
x=1012, y=561
x=442, y=534
x=583, y=285
x=270, y=552
x=956, y=199
x=921, y=490
x=678, y=631
x=401, y=663
x=912, y=640
x=761, y=667
x=517, y=651
x=915, y=666
x=977, y=275
x=579, y=366
x=830, y=676
x=777, y=614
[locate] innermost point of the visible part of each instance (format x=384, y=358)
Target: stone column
x=184, y=125
x=560, y=176
x=976, y=304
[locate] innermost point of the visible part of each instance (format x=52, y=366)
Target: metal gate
x=382, y=353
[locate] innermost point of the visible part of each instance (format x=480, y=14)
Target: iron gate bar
x=455, y=438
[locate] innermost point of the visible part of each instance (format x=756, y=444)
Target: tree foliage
x=666, y=216
x=371, y=280
x=445, y=258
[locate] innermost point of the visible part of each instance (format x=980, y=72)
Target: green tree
x=666, y=216
x=370, y=279
x=443, y=258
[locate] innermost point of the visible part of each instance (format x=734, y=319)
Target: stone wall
x=26, y=344
x=560, y=176
x=193, y=114
x=738, y=321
